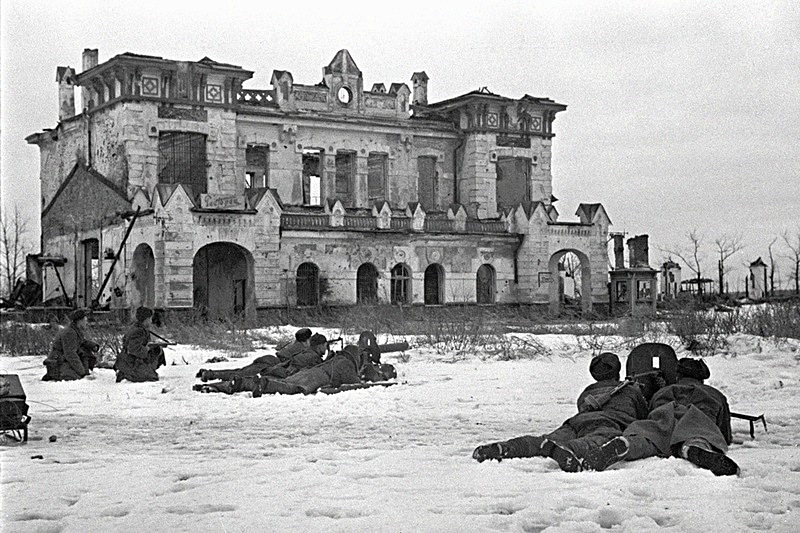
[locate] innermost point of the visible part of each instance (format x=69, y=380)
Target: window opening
x=182, y=159
x=312, y=177
x=376, y=178
x=256, y=166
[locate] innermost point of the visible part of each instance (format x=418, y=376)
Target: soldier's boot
x=495, y=451
x=606, y=455
x=566, y=458
x=719, y=463
x=259, y=386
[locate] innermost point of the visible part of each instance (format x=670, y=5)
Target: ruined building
x=633, y=288
x=301, y=194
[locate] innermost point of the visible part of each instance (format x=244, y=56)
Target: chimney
x=89, y=60
x=619, y=252
x=65, y=77
x=644, y=250
x=420, y=93
x=90, y=56
x=638, y=251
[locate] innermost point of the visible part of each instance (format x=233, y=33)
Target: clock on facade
x=344, y=95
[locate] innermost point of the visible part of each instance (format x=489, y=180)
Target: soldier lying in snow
x=687, y=419
x=306, y=351
x=605, y=409
x=352, y=365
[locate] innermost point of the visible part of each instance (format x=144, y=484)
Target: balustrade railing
x=256, y=97
x=319, y=221
x=433, y=224
x=360, y=222
x=485, y=226
x=297, y=221
x=401, y=223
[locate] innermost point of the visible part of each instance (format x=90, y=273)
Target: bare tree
x=691, y=256
x=771, y=268
x=727, y=246
x=13, y=248
x=793, y=242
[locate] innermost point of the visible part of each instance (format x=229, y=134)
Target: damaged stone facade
x=302, y=194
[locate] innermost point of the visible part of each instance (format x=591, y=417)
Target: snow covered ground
x=160, y=457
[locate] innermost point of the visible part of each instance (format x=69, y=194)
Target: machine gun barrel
x=393, y=347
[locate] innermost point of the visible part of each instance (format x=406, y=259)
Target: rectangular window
x=512, y=185
x=256, y=166
x=182, y=159
x=376, y=177
x=644, y=290
x=622, y=291
x=345, y=176
x=426, y=181
x=312, y=177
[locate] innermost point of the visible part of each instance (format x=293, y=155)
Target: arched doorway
x=223, y=281
x=434, y=284
x=308, y=284
x=581, y=274
x=485, y=284
x=367, y=284
x=143, y=277
x=401, y=284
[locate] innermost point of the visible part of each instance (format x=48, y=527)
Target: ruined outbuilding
x=633, y=287
x=302, y=194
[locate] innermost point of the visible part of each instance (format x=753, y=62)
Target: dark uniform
x=64, y=362
x=605, y=409
x=138, y=360
x=688, y=419
x=343, y=368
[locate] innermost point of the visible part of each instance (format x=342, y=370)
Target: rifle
x=163, y=344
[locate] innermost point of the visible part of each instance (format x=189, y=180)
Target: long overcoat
x=136, y=361
x=64, y=362
x=688, y=409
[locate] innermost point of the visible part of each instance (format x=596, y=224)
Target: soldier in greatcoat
x=139, y=360
x=689, y=419
x=605, y=408
x=71, y=355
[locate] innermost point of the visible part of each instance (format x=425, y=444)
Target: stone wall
x=287, y=140
x=339, y=254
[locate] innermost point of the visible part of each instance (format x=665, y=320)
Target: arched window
x=401, y=284
x=434, y=284
x=485, y=284
x=367, y=284
x=307, y=284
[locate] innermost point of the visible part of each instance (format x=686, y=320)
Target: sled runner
x=13, y=408
x=354, y=386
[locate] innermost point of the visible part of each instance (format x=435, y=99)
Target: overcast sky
x=680, y=115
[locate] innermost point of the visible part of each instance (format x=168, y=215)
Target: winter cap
x=143, y=313
x=605, y=366
x=77, y=314
x=302, y=335
x=693, y=368
x=317, y=339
